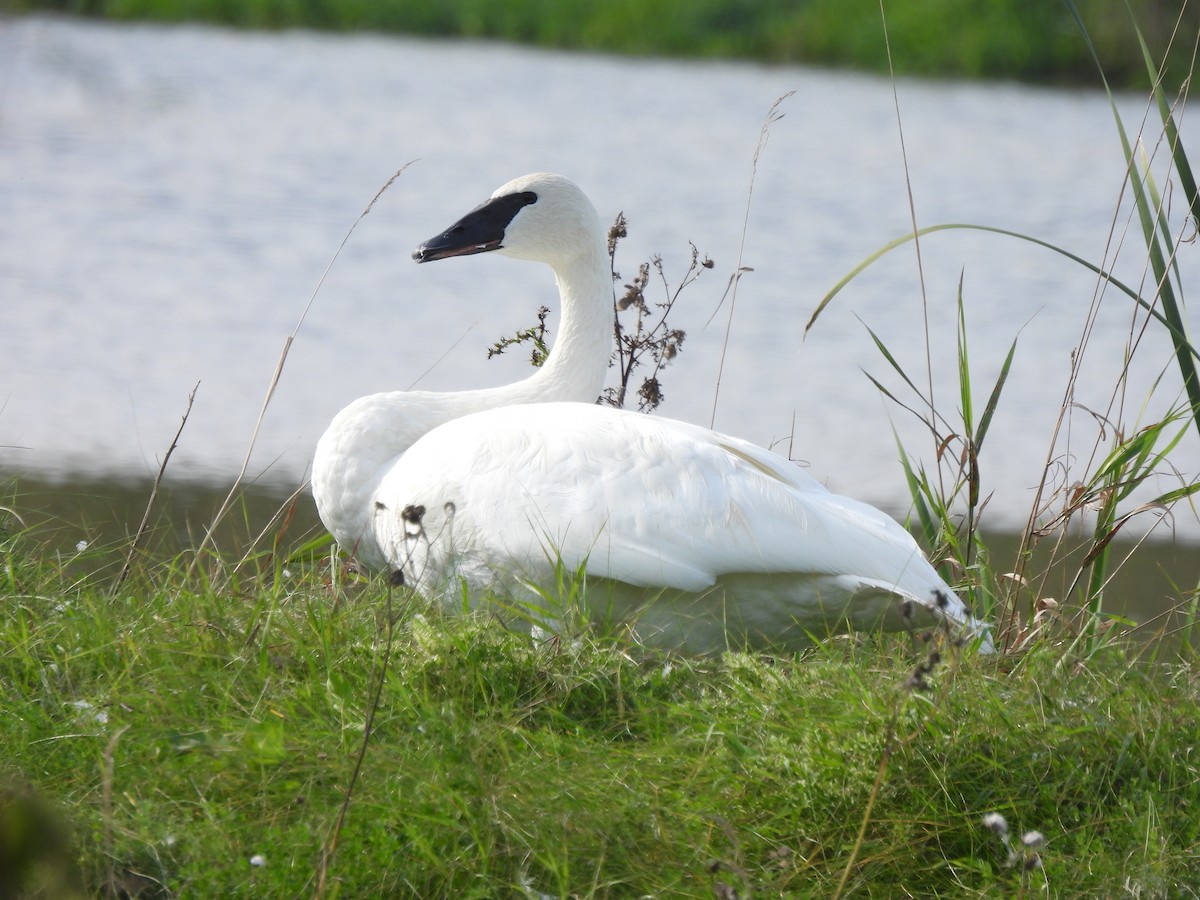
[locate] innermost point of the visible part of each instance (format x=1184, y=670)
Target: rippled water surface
x=169, y=199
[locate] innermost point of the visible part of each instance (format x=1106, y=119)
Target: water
x=169, y=199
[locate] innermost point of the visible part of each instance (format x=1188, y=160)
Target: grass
x=1024, y=39
x=179, y=731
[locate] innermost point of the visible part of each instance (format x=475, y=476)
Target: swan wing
x=650, y=502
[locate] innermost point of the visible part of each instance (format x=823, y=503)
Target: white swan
x=698, y=540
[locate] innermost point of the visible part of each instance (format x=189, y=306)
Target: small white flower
x=89, y=711
x=1033, y=839
x=258, y=860
x=81, y=546
x=169, y=840
x=286, y=573
x=996, y=823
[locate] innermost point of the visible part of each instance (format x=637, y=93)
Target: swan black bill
x=478, y=231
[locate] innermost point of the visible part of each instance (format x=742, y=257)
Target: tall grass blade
x=1150, y=215
x=1177, y=331
x=989, y=410
x=964, y=368
x=1182, y=167
x=279, y=365
x=136, y=543
x=918, y=489
x=887, y=354
x=774, y=114
x=1183, y=170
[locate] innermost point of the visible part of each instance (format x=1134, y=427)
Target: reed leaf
x=989, y=410
x=1150, y=214
x=1184, y=170
x=964, y=369
x=919, y=490
x=1177, y=331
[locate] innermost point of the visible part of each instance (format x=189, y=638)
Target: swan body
x=697, y=540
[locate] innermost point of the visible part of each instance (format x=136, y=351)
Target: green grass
x=177, y=730
x=1025, y=39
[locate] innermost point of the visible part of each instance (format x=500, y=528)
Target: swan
x=696, y=540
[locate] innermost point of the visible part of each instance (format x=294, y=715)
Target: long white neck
x=579, y=359
x=365, y=439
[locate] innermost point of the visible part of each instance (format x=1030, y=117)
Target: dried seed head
x=616, y=232
x=651, y=393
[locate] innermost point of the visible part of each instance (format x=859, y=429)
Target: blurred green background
x=1027, y=40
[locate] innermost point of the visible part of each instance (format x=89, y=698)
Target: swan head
x=540, y=217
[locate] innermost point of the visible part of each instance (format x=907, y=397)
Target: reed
x=1134, y=441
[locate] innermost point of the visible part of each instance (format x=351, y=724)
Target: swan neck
x=579, y=357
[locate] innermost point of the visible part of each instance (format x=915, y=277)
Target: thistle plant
x=644, y=336
x=649, y=339
x=535, y=334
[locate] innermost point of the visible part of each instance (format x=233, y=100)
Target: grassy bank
x=185, y=738
x=1021, y=39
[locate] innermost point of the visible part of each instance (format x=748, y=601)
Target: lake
x=170, y=197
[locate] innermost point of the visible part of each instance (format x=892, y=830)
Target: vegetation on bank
x=200, y=735
x=1031, y=40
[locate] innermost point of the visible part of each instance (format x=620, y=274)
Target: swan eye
x=502, y=210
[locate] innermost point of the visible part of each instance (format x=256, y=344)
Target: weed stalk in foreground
x=650, y=340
